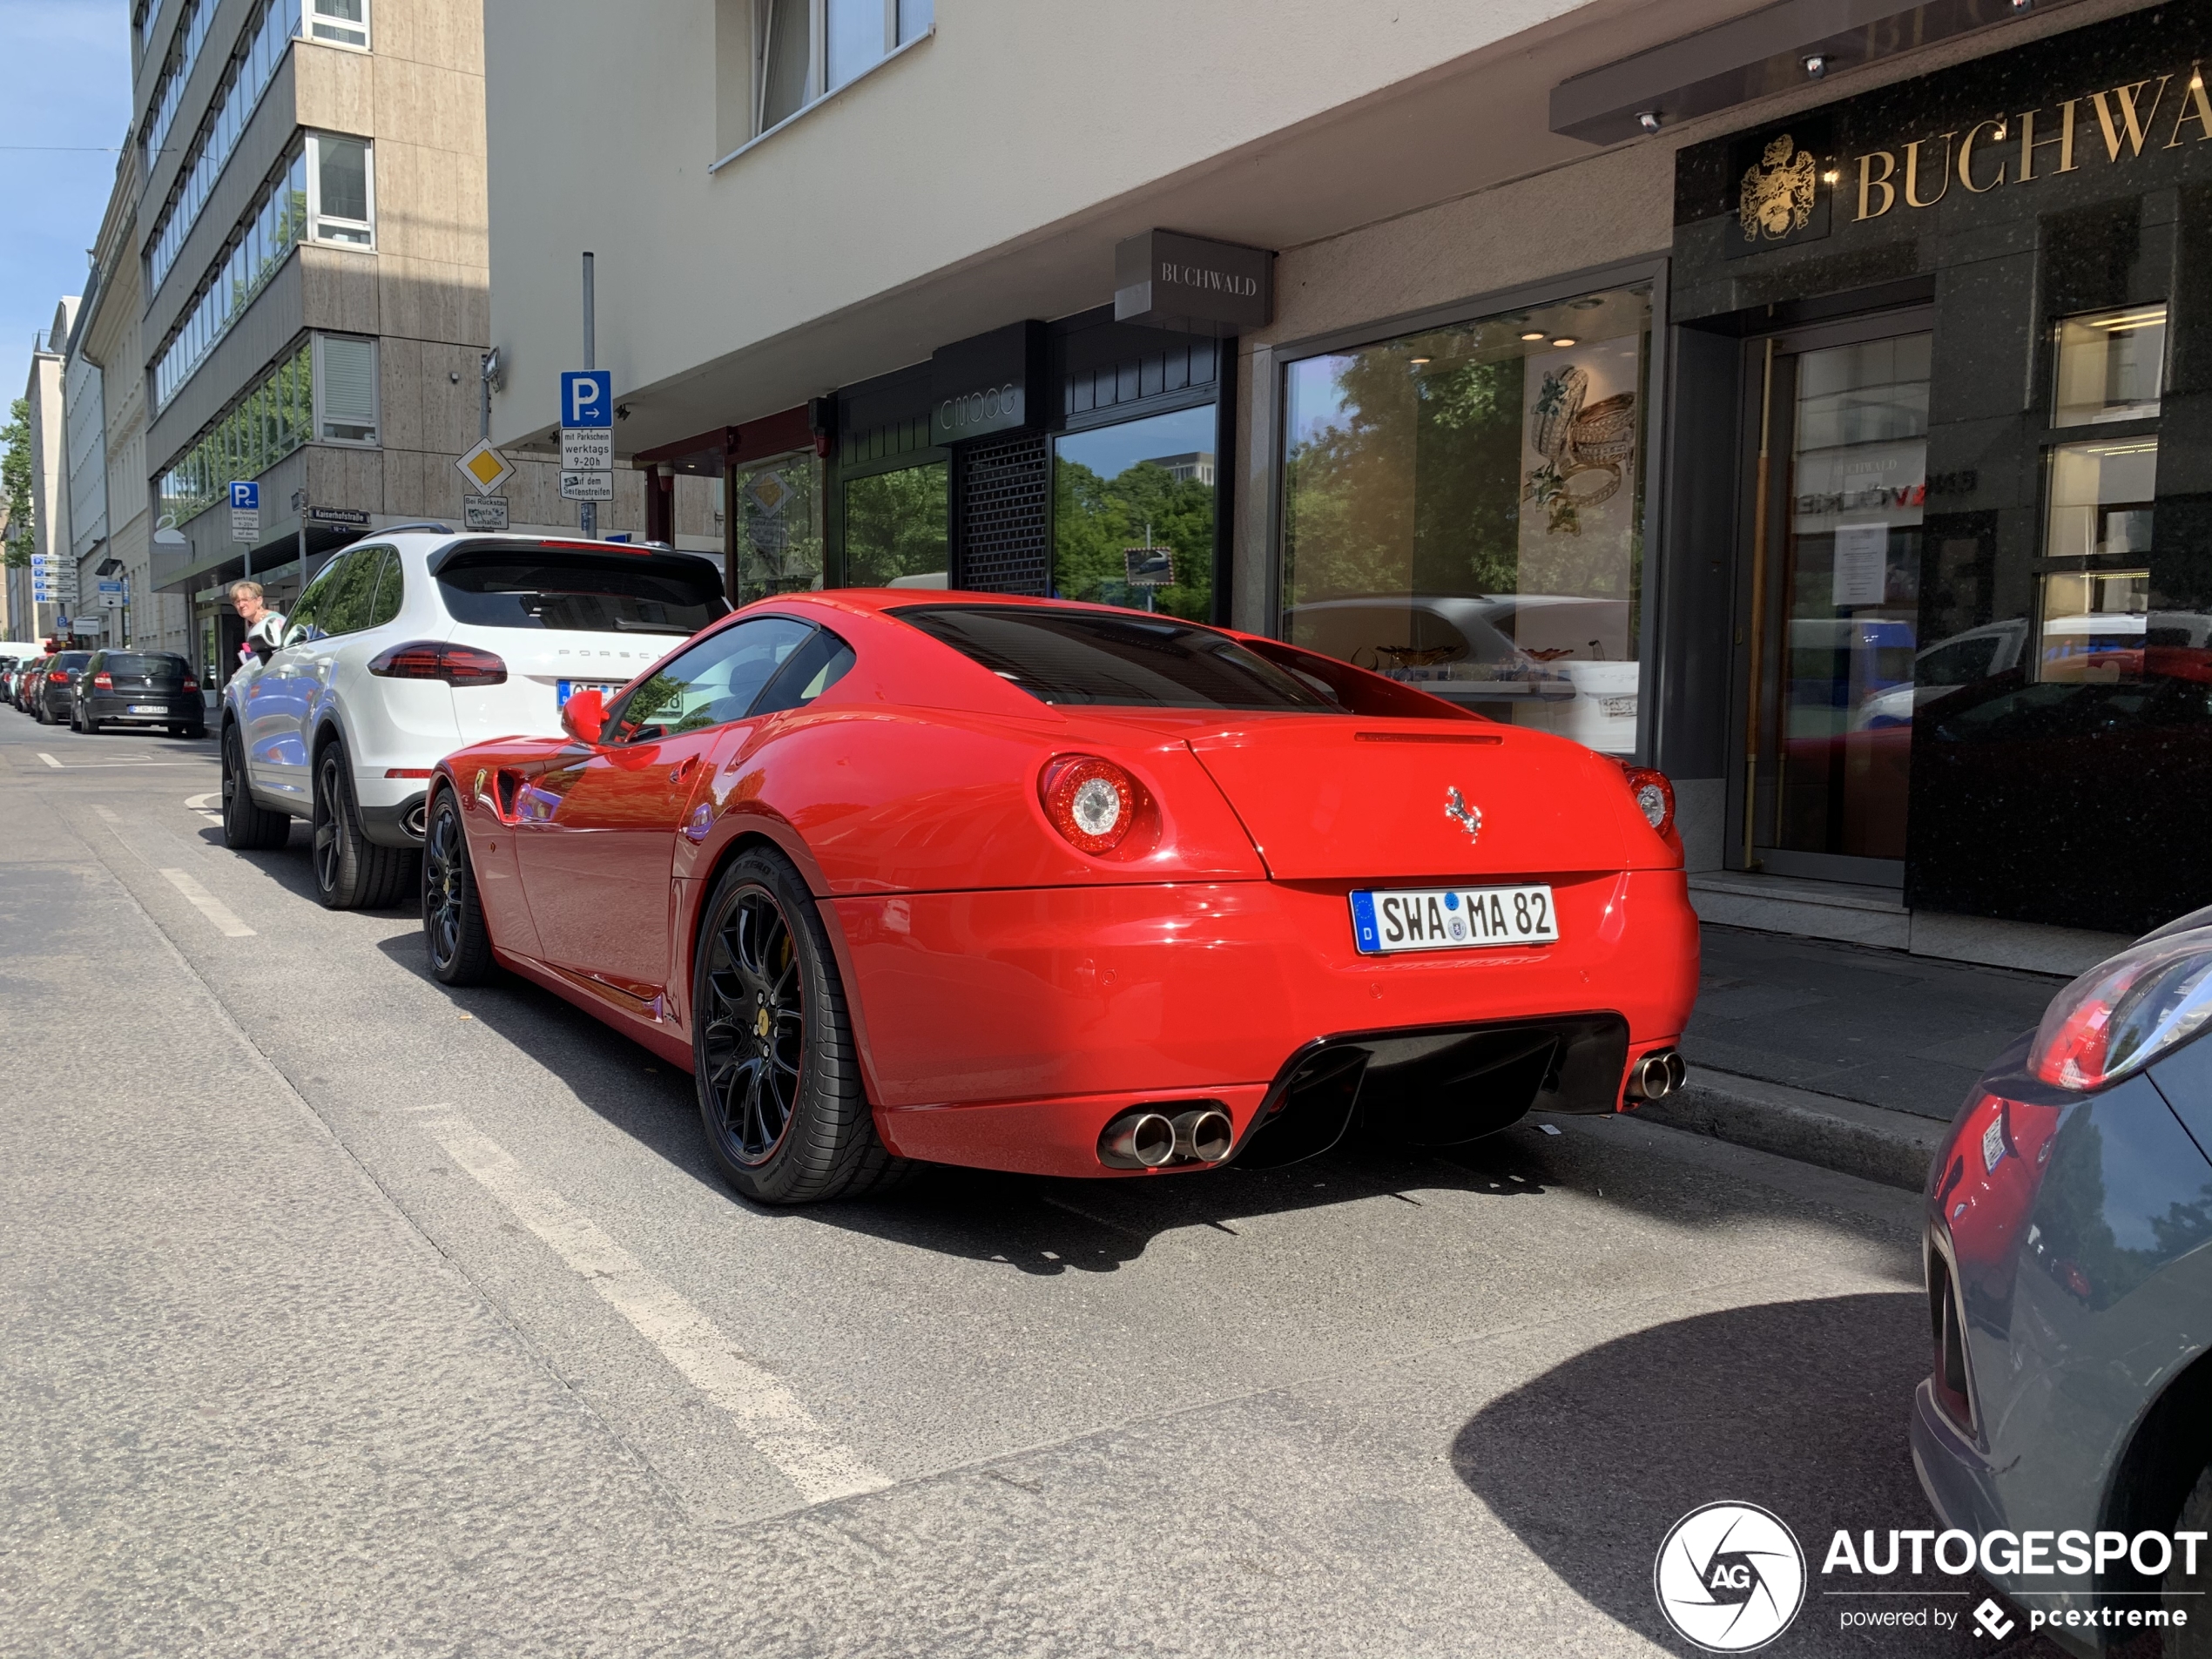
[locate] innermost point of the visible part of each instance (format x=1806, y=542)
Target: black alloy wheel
x=777, y=1076
x=453, y=913
x=247, y=825
x=351, y=871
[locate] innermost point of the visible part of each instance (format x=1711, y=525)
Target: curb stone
x=1874, y=1142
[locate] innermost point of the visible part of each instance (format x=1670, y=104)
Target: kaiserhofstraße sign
x=1166, y=280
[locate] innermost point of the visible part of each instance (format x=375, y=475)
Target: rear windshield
x=139, y=662
x=72, y=660
x=580, y=592
x=1095, y=656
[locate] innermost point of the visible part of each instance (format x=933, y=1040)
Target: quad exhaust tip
x=1657, y=1074
x=1147, y=1139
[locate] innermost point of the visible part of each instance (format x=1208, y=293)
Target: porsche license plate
x=1452, y=918
x=568, y=689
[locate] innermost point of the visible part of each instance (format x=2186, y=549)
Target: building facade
x=309, y=235
x=1794, y=398
x=46, y=588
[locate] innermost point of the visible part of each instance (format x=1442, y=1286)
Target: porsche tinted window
x=579, y=592
x=1095, y=657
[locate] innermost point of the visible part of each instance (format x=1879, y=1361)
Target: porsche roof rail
x=419, y=524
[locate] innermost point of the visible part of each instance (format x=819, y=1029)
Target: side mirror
x=583, y=717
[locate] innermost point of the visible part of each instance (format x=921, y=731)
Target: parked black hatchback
x=138, y=688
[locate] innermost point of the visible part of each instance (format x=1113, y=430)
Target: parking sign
x=587, y=397
x=246, y=497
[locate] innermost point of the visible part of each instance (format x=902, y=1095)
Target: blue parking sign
x=246, y=497
x=587, y=397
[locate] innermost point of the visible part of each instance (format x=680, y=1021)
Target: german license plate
x=568, y=689
x=149, y=708
x=1452, y=918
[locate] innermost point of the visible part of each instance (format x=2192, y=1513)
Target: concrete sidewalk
x=1844, y=1055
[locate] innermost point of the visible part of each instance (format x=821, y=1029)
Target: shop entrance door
x=1842, y=481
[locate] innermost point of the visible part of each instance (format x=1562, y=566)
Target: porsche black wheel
x=247, y=826
x=453, y=913
x=778, y=1080
x=351, y=871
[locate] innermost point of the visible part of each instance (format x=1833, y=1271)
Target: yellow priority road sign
x=485, y=467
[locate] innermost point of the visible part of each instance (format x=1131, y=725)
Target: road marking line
x=112, y=818
x=50, y=760
x=208, y=904
x=782, y=1429
x=204, y=803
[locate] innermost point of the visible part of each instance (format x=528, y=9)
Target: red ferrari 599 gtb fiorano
x=1036, y=885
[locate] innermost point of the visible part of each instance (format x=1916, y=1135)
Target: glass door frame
x=1769, y=429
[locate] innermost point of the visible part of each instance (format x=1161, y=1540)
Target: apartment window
x=169, y=92
x=345, y=389
x=342, y=204
x=264, y=237
x=343, y=21
x=267, y=423
x=804, y=49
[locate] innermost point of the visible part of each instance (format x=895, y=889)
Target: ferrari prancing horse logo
x=1470, y=817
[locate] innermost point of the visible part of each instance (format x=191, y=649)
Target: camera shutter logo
x=1729, y=1577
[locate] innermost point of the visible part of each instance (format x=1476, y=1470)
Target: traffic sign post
x=483, y=512
x=482, y=508
x=587, y=441
x=246, y=515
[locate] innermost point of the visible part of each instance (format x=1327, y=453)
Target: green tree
x=1096, y=519
x=894, y=525
x=15, y=480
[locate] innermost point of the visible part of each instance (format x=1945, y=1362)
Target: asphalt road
x=341, y=1313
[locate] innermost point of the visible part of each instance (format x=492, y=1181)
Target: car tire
x=351, y=872
x=453, y=911
x=38, y=711
x=786, y=1118
x=2185, y=1592
x=86, y=723
x=249, y=827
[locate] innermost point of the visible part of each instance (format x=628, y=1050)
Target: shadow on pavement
x=1799, y=1407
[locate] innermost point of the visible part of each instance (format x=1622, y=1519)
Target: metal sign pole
x=588, y=515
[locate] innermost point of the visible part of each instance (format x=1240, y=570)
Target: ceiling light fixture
x=1832, y=176
x=1816, y=65
x=1648, y=119
x=1564, y=339
x=1417, y=361
x=1534, y=334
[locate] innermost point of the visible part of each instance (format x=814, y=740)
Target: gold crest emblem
x=1778, y=192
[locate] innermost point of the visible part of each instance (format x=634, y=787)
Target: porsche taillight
x=427, y=659
x=1092, y=803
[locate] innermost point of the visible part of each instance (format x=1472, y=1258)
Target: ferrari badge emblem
x=1777, y=195
x=1470, y=817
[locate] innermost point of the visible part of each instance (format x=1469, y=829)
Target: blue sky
x=68, y=101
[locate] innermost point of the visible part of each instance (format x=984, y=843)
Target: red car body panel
x=1010, y=993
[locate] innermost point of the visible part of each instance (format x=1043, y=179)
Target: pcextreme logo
x=1729, y=1577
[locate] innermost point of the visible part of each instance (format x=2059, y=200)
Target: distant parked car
x=54, y=697
x=410, y=644
x=7, y=677
x=138, y=688
x=2070, y=1292
x=25, y=676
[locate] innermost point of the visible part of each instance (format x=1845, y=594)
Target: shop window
x=1463, y=508
x=342, y=206
x=2111, y=365
x=1133, y=514
x=2095, y=598
x=778, y=525
x=894, y=528
x=345, y=389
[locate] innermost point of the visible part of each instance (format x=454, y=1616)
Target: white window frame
x=343, y=30
x=375, y=439
x=817, y=64
x=315, y=215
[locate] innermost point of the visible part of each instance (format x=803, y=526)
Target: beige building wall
x=48, y=453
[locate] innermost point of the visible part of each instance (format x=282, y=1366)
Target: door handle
x=681, y=771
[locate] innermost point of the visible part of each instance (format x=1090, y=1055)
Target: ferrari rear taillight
x=424, y=659
x=2123, y=1014
x=1091, y=802
x=104, y=680
x=1655, y=795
